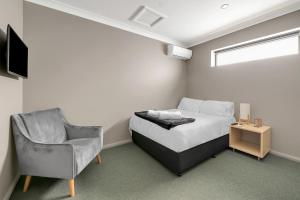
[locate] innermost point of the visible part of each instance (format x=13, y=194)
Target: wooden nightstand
x=259, y=150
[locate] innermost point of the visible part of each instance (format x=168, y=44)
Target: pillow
x=221, y=108
x=188, y=104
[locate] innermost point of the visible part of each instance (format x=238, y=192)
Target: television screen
x=17, y=54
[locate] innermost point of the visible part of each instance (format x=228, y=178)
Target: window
x=268, y=47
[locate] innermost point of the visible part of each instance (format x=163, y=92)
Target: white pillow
x=222, y=108
x=189, y=104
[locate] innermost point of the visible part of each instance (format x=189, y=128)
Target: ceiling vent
x=147, y=16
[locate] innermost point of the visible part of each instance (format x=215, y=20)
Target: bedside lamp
x=244, y=113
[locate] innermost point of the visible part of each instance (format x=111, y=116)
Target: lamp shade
x=245, y=111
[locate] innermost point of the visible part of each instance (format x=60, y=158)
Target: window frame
x=257, y=41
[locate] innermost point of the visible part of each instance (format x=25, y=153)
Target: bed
x=184, y=146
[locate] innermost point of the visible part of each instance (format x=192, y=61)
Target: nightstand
x=259, y=150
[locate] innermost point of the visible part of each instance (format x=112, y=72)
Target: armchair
x=48, y=146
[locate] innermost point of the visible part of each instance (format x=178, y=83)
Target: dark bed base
x=183, y=161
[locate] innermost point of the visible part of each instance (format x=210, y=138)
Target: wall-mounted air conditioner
x=179, y=52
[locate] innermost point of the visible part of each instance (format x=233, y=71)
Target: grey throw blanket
x=165, y=123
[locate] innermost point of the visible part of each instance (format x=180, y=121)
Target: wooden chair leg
x=98, y=158
x=26, y=184
x=72, y=187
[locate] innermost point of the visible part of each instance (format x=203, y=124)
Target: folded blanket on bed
x=174, y=114
x=165, y=114
x=153, y=113
x=164, y=123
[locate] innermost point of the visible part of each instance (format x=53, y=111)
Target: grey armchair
x=48, y=146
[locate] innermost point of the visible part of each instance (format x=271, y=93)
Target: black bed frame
x=182, y=161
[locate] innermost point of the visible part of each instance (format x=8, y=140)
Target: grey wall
x=271, y=86
x=11, y=12
x=97, y=74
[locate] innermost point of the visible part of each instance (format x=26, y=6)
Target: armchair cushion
x=45, y=126
x=85, y=150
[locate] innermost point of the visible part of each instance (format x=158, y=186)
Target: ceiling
x=186, y=23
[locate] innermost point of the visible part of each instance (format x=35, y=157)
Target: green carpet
x=127, y=172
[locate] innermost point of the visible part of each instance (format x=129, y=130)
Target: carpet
x=128, y=173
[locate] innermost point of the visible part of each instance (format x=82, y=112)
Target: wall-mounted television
x=17, y=54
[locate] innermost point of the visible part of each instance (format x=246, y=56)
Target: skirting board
x=11, y=188
x=284, y=155
x=107, y=146
x=276, y=153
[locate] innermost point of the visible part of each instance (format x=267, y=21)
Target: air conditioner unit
x=179, y=52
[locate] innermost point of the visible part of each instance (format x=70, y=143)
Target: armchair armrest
x=49, y=160
x=76, y=132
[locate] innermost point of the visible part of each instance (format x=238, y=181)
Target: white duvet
x=180, y=138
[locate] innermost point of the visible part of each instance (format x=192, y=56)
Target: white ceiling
x=188, y=22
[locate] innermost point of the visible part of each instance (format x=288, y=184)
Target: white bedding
x=183, y=137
